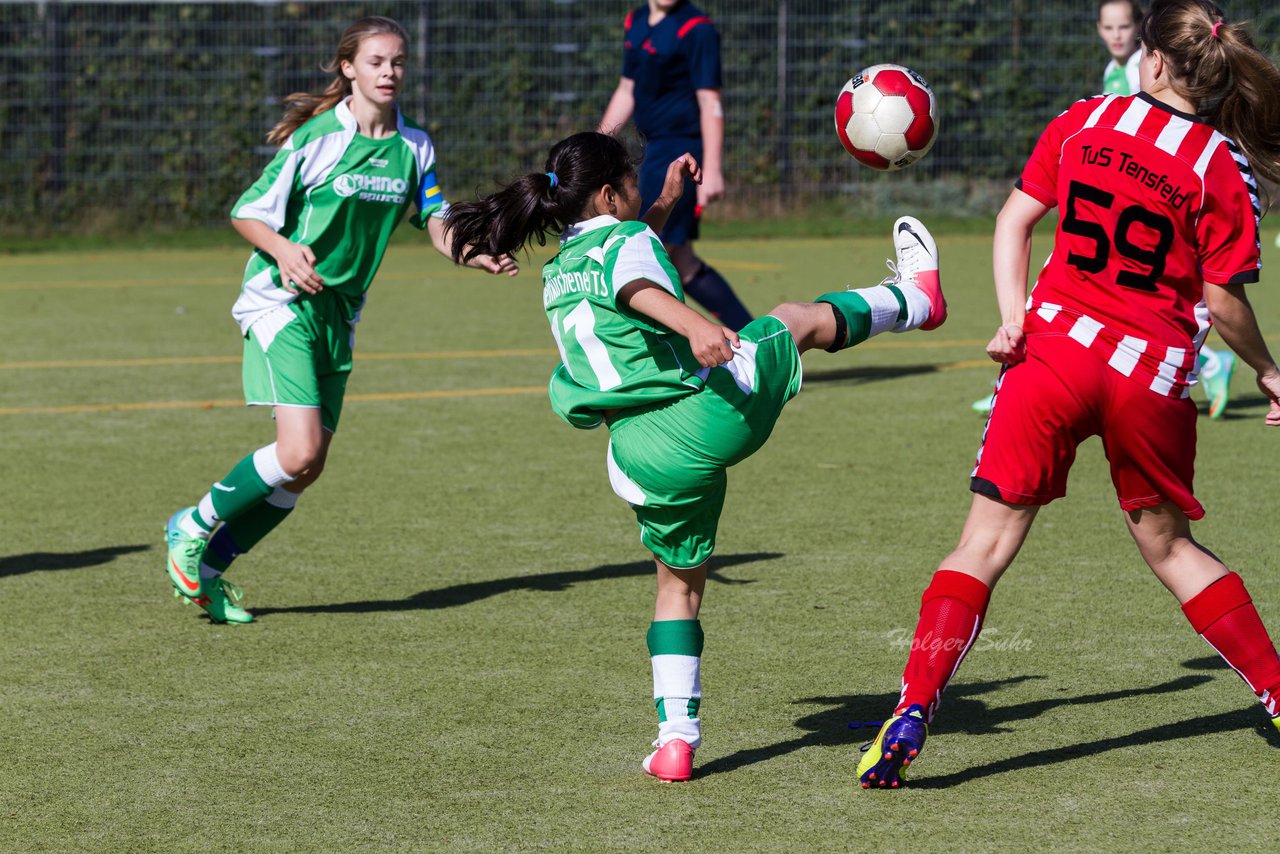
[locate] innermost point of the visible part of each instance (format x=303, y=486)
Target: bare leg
x=301, y=441
x=811, y=324
x=992, y=536
x=1163, y=535
x=679, y=592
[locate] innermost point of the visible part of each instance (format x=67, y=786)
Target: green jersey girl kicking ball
x=684, y=397
x=350, y=166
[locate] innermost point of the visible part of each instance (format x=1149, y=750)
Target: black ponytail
x=504, y=222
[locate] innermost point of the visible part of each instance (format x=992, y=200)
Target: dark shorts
x=682, y=225
x=1063, y=394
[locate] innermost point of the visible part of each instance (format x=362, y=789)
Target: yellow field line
x=228, y=282
x=152, y=406
x=225, y=360
x=147, y=406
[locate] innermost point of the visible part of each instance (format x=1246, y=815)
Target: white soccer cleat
x=918, y=265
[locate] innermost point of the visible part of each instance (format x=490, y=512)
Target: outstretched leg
x=911, y=299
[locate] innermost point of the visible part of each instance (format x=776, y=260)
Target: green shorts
x=300, y=355
x=669, y=461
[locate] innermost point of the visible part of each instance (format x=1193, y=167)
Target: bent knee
x=301, y=456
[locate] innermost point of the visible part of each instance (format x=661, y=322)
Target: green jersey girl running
x=684, y=398
x=350, y=166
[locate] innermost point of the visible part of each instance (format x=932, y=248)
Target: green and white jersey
x=343, y=195
x=612, y=357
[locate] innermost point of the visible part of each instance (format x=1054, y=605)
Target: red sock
x=1223, y=614
x=951, y=612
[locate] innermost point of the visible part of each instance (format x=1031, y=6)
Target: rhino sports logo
x=372, y=188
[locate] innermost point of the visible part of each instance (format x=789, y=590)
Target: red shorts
x=1063, y=394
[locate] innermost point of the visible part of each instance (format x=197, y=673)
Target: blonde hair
x=1215, y=65
x=300, y=107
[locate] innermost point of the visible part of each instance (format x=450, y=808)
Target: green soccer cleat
x=185, y=551
x=221, y=601
x=1217, y=386
x=983, y=406
x=894, y=748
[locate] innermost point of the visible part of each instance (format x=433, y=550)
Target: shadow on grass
x=963, y=713
x=867, y=374
x=1234, y=721
x=48, y=561
x=550, y=582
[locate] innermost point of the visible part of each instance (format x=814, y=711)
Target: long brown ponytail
x=302, y=106
x=1215, y=65
x=505, y=222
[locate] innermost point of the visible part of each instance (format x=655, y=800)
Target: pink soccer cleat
x=918, y=265
x=671, y=763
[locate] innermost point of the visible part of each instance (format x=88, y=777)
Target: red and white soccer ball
x=887, y=117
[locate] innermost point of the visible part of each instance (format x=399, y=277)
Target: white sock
x=283, y=498
x=884, y=308
x=677, y=691
x=192, y=528
x=917, y=307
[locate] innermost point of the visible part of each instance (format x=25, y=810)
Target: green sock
x=244, y=532
x=675, y=652
x=856, y=313
x=241, y=489
x=675, y=637
x=253, y=479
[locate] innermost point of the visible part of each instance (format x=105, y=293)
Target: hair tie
x=1214, y=31
x=555, y=180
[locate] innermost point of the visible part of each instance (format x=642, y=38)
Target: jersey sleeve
x=268, y=199
x=630, y=60
x=1227, y=230
x=704, y=54
x=1039, y=177
x=428, y=199
x=635, y=252
x=638, y=255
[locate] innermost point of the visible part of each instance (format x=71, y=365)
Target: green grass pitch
x=450, y=647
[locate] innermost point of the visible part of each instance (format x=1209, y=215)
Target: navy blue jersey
x=669, y=62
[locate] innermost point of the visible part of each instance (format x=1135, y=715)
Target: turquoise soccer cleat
x=185, y=551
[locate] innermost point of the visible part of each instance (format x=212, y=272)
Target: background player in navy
x=1157, y=240
x=671, y=86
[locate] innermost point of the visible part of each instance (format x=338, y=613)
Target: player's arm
x=296, y=262
x=711, y=123
x=439, y=233
x=1235, y=321
x=672, y=190
x=1010, y=262
x=711, y=343
x=621, y=105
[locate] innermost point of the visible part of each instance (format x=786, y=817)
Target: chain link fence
x=118, y=115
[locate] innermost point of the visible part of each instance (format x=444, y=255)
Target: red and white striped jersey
x=1155, y=203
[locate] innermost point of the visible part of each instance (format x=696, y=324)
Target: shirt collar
x=580, y=228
